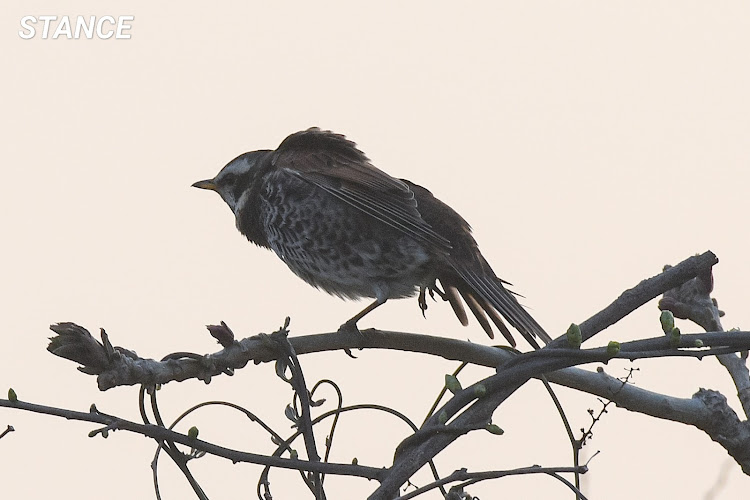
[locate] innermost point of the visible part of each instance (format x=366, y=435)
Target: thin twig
x=160, y=433
x=474, y=477
x=297, y=381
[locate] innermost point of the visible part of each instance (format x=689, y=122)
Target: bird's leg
x=351, y=325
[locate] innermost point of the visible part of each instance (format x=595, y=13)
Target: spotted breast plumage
x=348, y=228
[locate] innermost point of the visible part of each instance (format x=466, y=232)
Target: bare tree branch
x=706, y=410
x=692, y=301
x=127, y=370
x=686, y=288
x=632, y=299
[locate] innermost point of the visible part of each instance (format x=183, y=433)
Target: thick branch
x=126, y=370
x=499, y=387
x=692, y=301
x=706, y=410
x=646, y=290
x=118, y=366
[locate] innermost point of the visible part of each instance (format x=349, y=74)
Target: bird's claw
x=349, y=327
x=422, y=300
x=435, y=290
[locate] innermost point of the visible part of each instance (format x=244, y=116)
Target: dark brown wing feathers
x=467, y=271
x=334, y=164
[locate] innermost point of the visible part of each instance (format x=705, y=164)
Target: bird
x=348, y=228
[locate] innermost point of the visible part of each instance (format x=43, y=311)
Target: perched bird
x=346, y=227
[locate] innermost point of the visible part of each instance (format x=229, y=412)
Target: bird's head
x=235, y=178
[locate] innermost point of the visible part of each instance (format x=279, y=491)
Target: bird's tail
x=489, y=300
x=467, y=277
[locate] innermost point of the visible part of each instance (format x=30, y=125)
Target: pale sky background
x=588, y=144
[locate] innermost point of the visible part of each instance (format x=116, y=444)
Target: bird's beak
x=207, y=184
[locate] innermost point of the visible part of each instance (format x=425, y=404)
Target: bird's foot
x=434, y=290
x=349, y=327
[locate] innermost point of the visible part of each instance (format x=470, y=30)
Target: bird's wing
x=334, y=164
